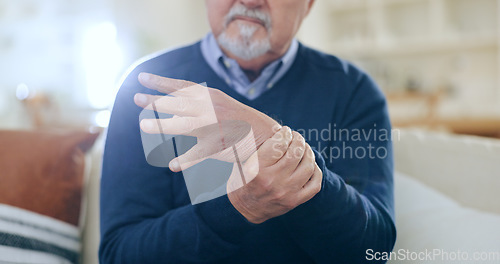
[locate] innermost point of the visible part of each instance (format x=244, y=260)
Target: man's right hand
x=280, y=176
x=221, y=124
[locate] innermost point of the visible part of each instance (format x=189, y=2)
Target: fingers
x=166, y=85
x=181, y=106
x=305, y=169
x=291, y=159
x=173, y=126
x=312, y=187
x=192, y=157
x=275, y=147
x=268, y=153
x=211, y=147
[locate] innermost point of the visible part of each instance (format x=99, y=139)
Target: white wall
x=41, y=46
x=151, y=25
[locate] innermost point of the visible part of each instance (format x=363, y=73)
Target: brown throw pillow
x=43, y=171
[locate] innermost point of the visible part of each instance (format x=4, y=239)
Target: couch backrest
x=465, y=168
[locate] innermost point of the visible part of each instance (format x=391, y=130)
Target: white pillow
x=27, y=237
x=427, y=220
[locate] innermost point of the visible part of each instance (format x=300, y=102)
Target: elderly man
x=321, y=194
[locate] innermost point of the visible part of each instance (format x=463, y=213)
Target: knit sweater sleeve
x=353, y=212
x=141, y=220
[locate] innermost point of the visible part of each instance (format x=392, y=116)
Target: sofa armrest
x=91, y=235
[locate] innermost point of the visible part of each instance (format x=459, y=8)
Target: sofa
x=447, y=199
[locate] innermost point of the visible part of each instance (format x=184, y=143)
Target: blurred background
x=438, y=61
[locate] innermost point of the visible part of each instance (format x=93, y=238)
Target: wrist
x=240, y=206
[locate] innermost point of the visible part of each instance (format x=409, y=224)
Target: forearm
x=205, y=233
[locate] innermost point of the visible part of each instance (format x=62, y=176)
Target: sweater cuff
x=322, y=166
x=221, y=216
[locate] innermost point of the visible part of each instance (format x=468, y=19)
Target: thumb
x=192, y=157
x=273, y=149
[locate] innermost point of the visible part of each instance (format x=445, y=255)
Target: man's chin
x=245, y=41
x=244, y=50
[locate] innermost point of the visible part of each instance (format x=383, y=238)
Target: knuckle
x=279, y=195
x=317, y=169
x=266, y=186
x=289, y=204
x=311, y=155
x=317, y=187
x=278, y=136
x=292, y=155
x=297, y=137
x=287, y=134
x=298, y=152
x=310, y=168
x=252, y=171
x=287, y=159
x=319, y=183
x=276, y=153
x=288, y=156
x=279, y=146
x=276, y=128
x=264, y=183
x=285, y=141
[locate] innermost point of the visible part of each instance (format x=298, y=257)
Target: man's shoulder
x=173, y=62
x=327, y=62
x=167, y=59
x=339, y=71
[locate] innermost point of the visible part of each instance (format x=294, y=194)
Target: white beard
x=243, y=46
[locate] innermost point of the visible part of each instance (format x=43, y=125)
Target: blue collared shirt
x=229, y=70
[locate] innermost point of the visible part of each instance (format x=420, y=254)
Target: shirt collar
x=229, y=70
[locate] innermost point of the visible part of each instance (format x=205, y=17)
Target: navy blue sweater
x=146, y=214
